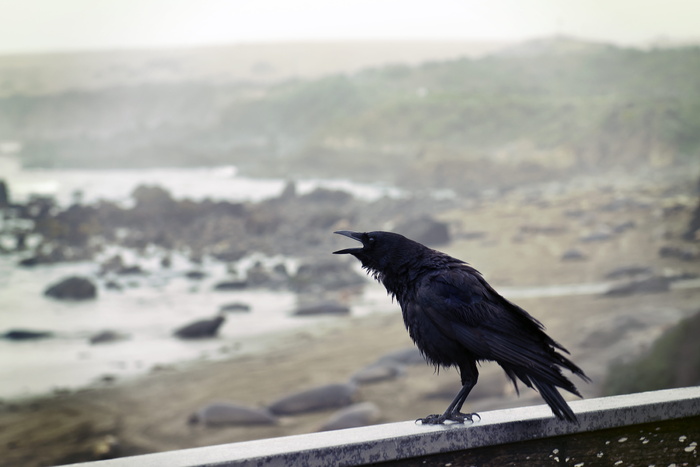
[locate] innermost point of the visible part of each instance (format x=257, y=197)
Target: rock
x=4, y=194
x=116, y=265
x=407, y=356
x=231, y=285
x=319, y=398
x=229, y=413
x=113, y=285
x=195, y=275
x=425, y=230
x=260, y=276
x=72, y=288
x=108, y=447
x=361, y=414
x=104, y=337
x=627, y=271
x=323, y=308
x=598, y=236
x=542, y=229
x=326, y=275
x=26, y=334
x=475, y=235
x=684, y=254
x=200, y=329
x=620, y=228
x=692, y=234
x=573, y=254
x=234, y=307
x=649, y=285
x=378, y=372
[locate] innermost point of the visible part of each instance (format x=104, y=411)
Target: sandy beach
x=517, y=241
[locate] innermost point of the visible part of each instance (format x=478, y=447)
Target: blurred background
x=171, y=173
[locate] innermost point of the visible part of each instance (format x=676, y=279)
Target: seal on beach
x=229, y=413
x=377, y=372
x=360, y=414
x=201, y=329
x=329, y=396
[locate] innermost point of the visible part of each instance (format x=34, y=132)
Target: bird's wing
x=465, y=308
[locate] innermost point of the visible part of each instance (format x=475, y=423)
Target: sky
x=70, y=25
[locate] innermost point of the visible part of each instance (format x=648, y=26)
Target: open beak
x=354, y=235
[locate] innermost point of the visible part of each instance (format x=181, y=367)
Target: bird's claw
x=457, y=417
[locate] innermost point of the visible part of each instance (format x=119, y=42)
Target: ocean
x=151, y=306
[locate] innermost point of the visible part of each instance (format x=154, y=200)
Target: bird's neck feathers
x=402, y=268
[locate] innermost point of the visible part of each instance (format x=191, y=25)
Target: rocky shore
x=634, y=237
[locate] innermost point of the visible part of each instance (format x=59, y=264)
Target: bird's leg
x=469, y=375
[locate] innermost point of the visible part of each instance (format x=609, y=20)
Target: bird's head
x=380, y=251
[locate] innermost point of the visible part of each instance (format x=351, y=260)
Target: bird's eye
x=371, y=239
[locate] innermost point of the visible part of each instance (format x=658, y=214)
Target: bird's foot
x=457, y=417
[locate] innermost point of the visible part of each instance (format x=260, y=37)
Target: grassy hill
x=540, y=109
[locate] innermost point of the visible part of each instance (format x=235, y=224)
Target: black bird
x=457, y=319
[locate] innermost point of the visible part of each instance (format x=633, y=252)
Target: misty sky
x=58, y=25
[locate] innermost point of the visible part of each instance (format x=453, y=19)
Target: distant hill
x=536, y=110
x=29, y=74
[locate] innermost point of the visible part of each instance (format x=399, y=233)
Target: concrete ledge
x=405, y=440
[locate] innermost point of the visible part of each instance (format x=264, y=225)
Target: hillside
x=541, y=109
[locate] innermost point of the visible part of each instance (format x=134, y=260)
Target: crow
x=457, y=319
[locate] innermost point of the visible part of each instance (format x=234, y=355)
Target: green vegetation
x=673, y=361
x=543, y=108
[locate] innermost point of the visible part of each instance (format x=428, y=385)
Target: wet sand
x=522, y=245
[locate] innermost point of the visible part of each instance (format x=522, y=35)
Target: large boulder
x=72, y=288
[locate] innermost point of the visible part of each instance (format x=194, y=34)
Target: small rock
x=72, y=288
x=542, y=229
x=323, y=308
x=195, y=275
x=229, y=413
x=649, y=285
x=320, y=398
x=361, y=414
x=573, y=254
x=234, y=307
x=106, y=448
x=104, y=337
x=231, y=285
x=684, y=254
x=627, y=271
x=599, y=236
x=113, y=285
x=620, y=228
x=476, y=235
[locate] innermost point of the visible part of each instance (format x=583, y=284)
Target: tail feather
x=546, y=380
x=555, y=401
